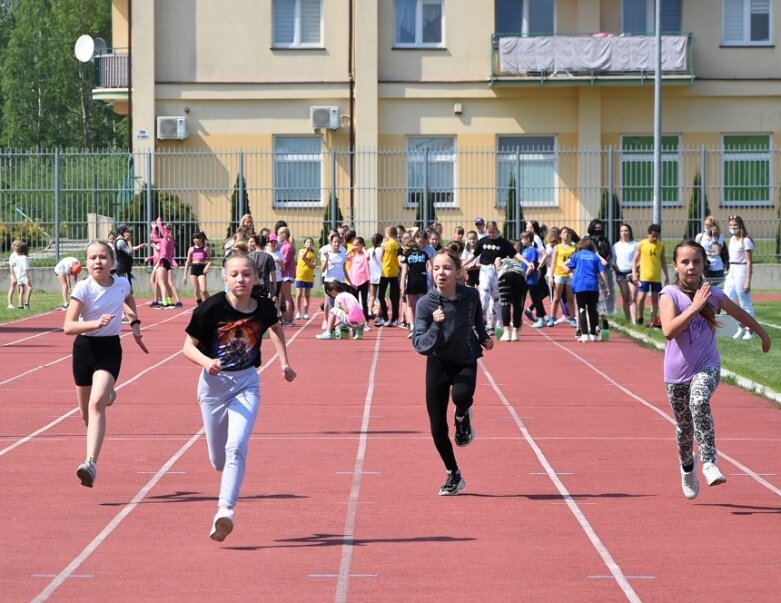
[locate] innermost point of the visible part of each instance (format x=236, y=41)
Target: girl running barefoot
x=450, y=331
x=94, y=315
x=692, y=365
x=223, y=338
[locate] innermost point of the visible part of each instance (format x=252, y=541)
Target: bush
x=514, y=222
x=613, y=231
x=31, y=233
x=694, y=219
x=329, y=219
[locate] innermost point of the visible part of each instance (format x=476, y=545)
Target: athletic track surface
x=572, y=489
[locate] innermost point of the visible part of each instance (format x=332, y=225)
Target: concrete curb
x=744, y=383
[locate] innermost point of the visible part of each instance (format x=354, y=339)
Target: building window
x=747, y=22
x=431, y=168
x=298, y=23
x=298, y=168
x=746, y=170
x=419, y=23
x=526, y=165
x=637, y=171
x=525, y=17
x=639, y=16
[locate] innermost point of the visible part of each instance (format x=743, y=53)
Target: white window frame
x=746, y=12
x=412, y=157
x=296, y=43
x=296, y=157
x=418, y=43
x=669, y=157
x=755, y=155
x=504, y=155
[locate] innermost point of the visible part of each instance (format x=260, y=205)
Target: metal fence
x=50, y=199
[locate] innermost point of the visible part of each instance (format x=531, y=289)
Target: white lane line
x=607, y=558
x=343, y=579
x=127, y=509
x=756, y=476
x=75, y=410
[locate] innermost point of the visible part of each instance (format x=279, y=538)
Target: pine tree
x=514, y=222
x=613, y=231
x=235, y=208
x=420, y=219
x=694, y=219
x=330, y=217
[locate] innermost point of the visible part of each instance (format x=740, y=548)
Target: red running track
x=572, y=481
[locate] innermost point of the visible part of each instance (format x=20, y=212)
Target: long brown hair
x=707, y=311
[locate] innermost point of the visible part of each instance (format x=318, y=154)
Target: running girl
x=449, y=330
x=223, y=338
x=94, y=315
x=692, y=364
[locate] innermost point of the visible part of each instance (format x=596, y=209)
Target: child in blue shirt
x=587, y=270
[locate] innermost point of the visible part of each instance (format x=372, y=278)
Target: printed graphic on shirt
x=236, y=345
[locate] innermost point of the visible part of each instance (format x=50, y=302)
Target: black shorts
x=197, y=269
x=417, y=286
x=164, y=263
x=92, y=354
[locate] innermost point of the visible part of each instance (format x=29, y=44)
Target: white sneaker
x=222, y=524
x=748, y=335
x=689, y=482
x=505, y=336
x=739, y=333
x=87, y=472
x=298, y=316
x=324, y=335
x=713, y=476
x=306, y=316
x=10, y=307
x=514, y=336
x=583, y=338
x=593, y=338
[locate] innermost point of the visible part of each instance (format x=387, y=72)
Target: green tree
x=514, y=222
x=694, y=219
x=46, y=92
x=236, y=207
x=330, y=217
x=421, y=220
x=614, y=230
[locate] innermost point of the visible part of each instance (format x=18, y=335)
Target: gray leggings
x=691, y=405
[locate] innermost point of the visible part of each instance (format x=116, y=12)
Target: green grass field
x=742, y=357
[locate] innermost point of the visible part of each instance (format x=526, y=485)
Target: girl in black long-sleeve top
x=449, y=330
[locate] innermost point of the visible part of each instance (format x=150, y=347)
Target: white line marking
x=607, y=558
x=769, y=324
x=343, y=580
x=669, y=419
x=628, y=577
x=127, y=509
x=74, y=410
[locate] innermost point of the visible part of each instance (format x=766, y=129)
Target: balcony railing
x=111, y=70
x=588, y=58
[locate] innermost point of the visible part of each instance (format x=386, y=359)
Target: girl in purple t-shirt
x=692, y=365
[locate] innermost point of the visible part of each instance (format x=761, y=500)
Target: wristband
x=135, y=322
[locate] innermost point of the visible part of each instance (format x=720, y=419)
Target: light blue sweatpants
x=229, y=404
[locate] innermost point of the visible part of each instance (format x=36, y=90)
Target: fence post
x=57, y=201
x=702, y=185
x=424, y=200
x=242, y=209
x=516, y=210
x=149, y=201
x=610, y=209
x=333, y=189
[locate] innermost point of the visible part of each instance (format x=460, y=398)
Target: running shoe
x=505, y=336
x=453, y=484
x=514, y=336
x=306, y=316
x=464, y=432
x=689, y=482
x=358, y=333
x=528, y=314
x=87, y=472
x=324, y=335
x=222, y=524
x=549, y=322
x=713, y=476
x=178, y=305
x=112, y=396
x=538, y=324
x=748, y=335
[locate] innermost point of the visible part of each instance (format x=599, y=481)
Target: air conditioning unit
x=172, y=128
x=326, y=117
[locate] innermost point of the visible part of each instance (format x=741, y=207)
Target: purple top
x=694, y=348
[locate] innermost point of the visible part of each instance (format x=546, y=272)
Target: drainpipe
x=351, y=76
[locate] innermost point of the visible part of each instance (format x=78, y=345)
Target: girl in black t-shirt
x=224, y=337
x=415, y=269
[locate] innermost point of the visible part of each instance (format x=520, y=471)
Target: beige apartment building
x=382, y=102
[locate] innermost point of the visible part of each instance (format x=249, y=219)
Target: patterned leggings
x=691, y=405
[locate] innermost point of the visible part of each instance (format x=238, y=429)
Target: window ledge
x=745, y=45
x=273, y=48
x=418, y=47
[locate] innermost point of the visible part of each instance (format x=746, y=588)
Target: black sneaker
x=528, y=314
x=453, y=484
x=86, y=473
x=464, y=432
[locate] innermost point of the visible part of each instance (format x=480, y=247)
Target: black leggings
x=538, y=294
x=444, y=379
x=395, y=296
x=361, y=293
x=587, y=305
x=512, y=294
